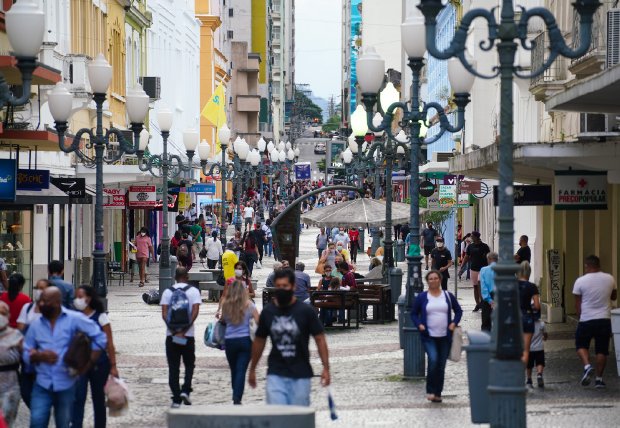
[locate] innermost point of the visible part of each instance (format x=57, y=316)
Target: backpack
x=182, y=251
x=179, y=310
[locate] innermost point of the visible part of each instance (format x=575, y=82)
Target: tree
x=333, y=124
x=305, y=107
x=438, y=218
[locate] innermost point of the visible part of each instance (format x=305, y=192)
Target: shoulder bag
x=456, y=346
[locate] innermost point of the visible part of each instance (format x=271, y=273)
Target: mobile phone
x=179, y=340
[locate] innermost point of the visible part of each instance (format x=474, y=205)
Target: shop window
x=16, y=243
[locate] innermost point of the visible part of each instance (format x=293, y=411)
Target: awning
x=42, y=75
x=596, y=94
x=43, y=140
x=207, y=200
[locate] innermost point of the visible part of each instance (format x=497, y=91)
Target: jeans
x=486, y=315
x=41, y=404
x=174, y=353
x=250, y=259
x=269, y=246
x=261, y=249
x=97, y=377
x=437, y=351
x=238, y=353
x=465, y=267
x=288, y=391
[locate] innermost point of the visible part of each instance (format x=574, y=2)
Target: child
x=334, y=284
x=537, y=354
x=326, y=279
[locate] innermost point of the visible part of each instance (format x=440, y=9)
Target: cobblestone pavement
x=366, y=369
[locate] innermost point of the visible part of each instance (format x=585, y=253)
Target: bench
x=115, y=269
x=337, y=300
x=379, y=297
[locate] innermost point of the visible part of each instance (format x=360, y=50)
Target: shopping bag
x=331, y=404
x=117, y=396
x=214, y=335
x=457, y=345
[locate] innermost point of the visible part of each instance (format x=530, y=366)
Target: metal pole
x=165, y=275
x=223, y=174
x=261, y=208
x=388, y=263
x=99, y=270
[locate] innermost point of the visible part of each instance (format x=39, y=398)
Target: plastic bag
x=117, y=396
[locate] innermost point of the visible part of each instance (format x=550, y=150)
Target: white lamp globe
x=224, y=134
x=461, y=80
x=400, y=150
x=370, y=70
x=270, y=147
x=353, y=146
x=358, y=121
x=164, y=118
x=236, y=144
x=191, y=138
x=204, y=150
x=282, y=155
x=144, y=140
x=243, y=150
x=364, y=147
x=99, y=74
x=137, y=104
x=281, y=146
x=261, y=144
x=290, y=154
x=274, y=156
x=25, y=26
x=413, y=35
x=376, y=122
x=288, y=145
x=388, y=96
x=347, y=156
x=402, y=137
x=255, y=160
x=297, y=152
x=60, y=102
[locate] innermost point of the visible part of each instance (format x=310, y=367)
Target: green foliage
x=320, y=165
x=306, y=107
x=333, y=124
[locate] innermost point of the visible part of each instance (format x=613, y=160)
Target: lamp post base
x=506, y=394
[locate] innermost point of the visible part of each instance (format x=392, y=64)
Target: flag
x=214, y=111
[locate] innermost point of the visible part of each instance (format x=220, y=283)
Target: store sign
x=114, y=198
x=536, y=195
x=8, y=179
x=303, y=171
x=142, y=196
x=554, y=266
x=447, y=196
x=427, y=188
x=470, y=187
x=580, y=190
x=33, y=179
x=73, y=187
x=184, y=201
x=207, y=188
x=432, y=202
x=463, y=201
x=173, y=202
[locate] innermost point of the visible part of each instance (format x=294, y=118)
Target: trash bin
x=399, y=250
x=615, y=329
x=478, y=357
x=395, y=279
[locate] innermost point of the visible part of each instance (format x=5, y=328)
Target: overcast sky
x=317, y=44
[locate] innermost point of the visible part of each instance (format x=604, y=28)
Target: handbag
x=214, y=335
x=320, y=267
x=457, y=345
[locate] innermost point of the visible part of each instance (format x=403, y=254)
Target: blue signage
x=207, y=188
x=8, y=179
x=302, y=171
x=33, y=179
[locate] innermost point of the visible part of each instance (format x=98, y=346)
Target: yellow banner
x=215, y=112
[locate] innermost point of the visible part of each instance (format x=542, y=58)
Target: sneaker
x=477, y=308
x=175, y=405
x=587, y=376
x=529, y=383
x=185, y=398
x=599, y=384
x=540, y=381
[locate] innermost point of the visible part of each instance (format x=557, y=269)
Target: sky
x=317, y=46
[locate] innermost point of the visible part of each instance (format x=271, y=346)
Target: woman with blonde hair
x=237, y=311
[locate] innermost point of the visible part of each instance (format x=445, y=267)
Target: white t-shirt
x=595, y=290
x=26, y=316
x=214, y=249
x=248, y=212
x=193, y=295
x=437, y=315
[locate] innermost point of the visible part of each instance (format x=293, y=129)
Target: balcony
x=248, y=103
x=553, y=79
x=594, y=60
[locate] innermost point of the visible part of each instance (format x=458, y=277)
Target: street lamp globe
x=282, y=156
x=144, y=140
x=388, y=96
x=25, y=26
x=255, y=158
x=243, y=150
x=376, y=122
x=370, y=71
x=347, y=156
x=270, y=147
x=164, y=118
x=236, y=144
x=261, y=144
x=60, y=102
x=99, y=74
x=353, y=146
x=288, y=145
x=402, y=137
x=297, y=151
x=281, y=146
x=204, y=150
x=290, y=154
x=137, y=104
x=461, y=80
x=413, y=35
x=224, y=134
x=274, y=156
x=191, y=138
x=400, y=150
x=359, y=125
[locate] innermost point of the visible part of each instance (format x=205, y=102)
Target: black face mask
x=283, y=297
x=47, y=311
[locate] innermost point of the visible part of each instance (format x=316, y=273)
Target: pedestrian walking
x=321, y=241
x=354, y=243
x=184, y=252
x=179, y=309
x=214, y=250
x=476, y=254
x=269, y=281
x=241, y=274
x=259, y=238
x=248, y=216
x=441, y=260
x=144, y=244
x=436, y=313
x=465, y=265
x=537, y=355
x=487, y=290
x=14, y=298
x=196, y=237
x=428, y=240
x=329, y=255
x=88, y=302
x=289, y=323
x=524, y=253
x=529, y=302
x=268, y=238
x=11, y=341
x=132, y=250
x=45, y=346
x=250, y=251
x=229, y=260
x=237, y=311
x=56, y=271
x=593, y=293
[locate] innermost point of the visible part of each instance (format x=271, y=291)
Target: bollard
x=478, y=356
x=401, y=319
x=395, y=279
x=413, y=353
x=174, y=262
x=399, y=250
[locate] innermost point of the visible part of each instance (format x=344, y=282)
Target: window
x=230, y=12
x=230, y=34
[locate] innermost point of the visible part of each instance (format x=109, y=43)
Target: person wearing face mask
x=344, y=253
x=441, y=260
x=241, y=274
x=87, y=301
x=145, y=249
x=45, y=346
x=10, y=350
x=14, y=297
x=289, y=323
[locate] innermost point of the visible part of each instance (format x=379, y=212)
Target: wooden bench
x=377, y=296
x=336, y=300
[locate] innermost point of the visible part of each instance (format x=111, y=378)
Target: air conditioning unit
x=152, y=86
x=442, y=156
x=613, y=37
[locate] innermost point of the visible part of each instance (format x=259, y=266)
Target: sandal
x=436, y=400
x=430, y=397
x=141, y=284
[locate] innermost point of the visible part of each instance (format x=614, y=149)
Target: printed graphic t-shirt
x=290, y=329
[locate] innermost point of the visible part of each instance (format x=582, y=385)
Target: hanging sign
x=73, y=187
x=432, y=203
x=470, y=187
x=8, y=179
x=173, y=202
x=184, y=201
x=302, y=171
x=427, y=188
x=463, y=201
x=452, y=179
x=536, y=195
x=447, y=195
x=114, y=198
x=142, y=196
x=580, y=190
x=33, y=179
x=207, y=188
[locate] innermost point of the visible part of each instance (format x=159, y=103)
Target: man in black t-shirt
x=289, y=322
x=441, y=260
x=523, y=253
x=428, y=240
x=476, y=253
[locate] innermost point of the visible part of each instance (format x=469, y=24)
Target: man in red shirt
x=354, y=243
x=348, y=277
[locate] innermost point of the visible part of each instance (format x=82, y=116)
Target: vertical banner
x=555, y=286
x=355, y=43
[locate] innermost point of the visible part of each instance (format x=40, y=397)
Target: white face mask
x=440, y=245
x=142, y=234
x=79, y=304
x=4, y=321
x=36, y=294
x=238, y=273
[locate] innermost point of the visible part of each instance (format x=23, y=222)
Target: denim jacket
x=418, y=312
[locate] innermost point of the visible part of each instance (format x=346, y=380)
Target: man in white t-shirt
x=593, y=293
x=182, y=344
x=248, y=215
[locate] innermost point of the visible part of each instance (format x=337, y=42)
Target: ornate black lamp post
x=61, y=107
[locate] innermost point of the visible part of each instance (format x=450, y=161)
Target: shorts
x=528, y=322
x=428, y=249
x=537, y=358
x=599, y=330
x=248, y=220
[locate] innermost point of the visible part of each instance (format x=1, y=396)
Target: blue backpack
x=179, y=311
